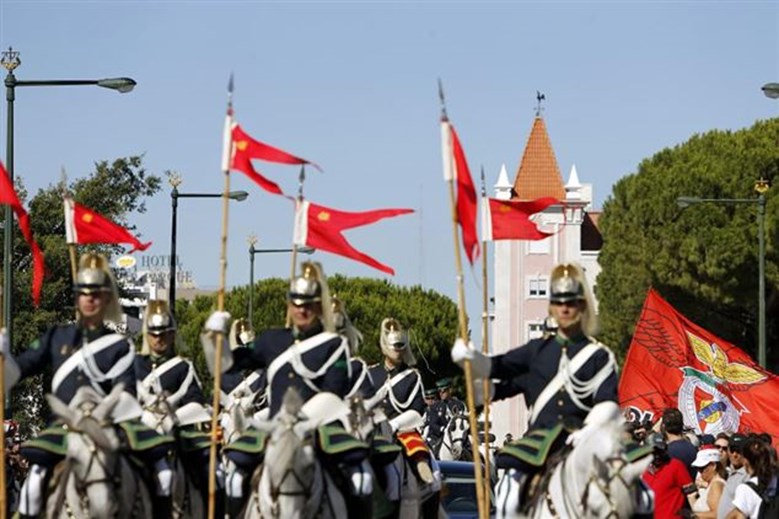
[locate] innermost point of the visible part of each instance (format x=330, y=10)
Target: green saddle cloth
x=533, y=448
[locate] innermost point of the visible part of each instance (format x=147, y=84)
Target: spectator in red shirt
x=669, y=479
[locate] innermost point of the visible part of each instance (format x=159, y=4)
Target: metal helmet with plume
x=241, y=333
x=344, y=326
x=568, y=283
x=394, y=338
x=157, y=320
x=311, y=287
x=93, y=276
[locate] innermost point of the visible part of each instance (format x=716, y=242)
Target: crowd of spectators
x=730, y=476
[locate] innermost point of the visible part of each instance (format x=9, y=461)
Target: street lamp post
x=175, y=181
x=10, y=61
x=252, y=251
x=761, y=186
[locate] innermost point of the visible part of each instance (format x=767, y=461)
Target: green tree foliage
x=115, y=190
x=430, y=317
x=703, y=259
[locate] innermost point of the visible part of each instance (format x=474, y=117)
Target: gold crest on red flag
x=672, y=362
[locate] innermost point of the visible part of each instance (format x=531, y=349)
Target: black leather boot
x=162, y=507
x=234, y=506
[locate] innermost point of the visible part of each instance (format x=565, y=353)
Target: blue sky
x=352, y=86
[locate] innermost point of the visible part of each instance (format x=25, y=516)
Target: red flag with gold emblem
x=83, y=225
x=9, y=197
x=320, y=227
x=672, y=362
x=245, y=148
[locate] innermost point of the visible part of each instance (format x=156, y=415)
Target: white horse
x=94, y=480
x=455, y=443
x=593, y=480
x=160, y=415
x=291, y=482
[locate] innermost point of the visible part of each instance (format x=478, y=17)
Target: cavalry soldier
x=563, y=376
x=311, y=358
x=246, y=388
x=443, y=410
x=403, y=404
x=87, y=353
x=432, y=434
x=165, y=378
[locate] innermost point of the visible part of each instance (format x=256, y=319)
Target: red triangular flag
x=456, y=168
x=8, y=196
x=510, y=220
x=83, y=225
x=672, y=362
x=320, y=227
x=245, y=148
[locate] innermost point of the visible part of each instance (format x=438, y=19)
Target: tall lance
x=485, y=343
x=446, y=145
x=294, y=255
x=227, y=152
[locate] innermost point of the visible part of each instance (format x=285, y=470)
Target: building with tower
x=521, y=268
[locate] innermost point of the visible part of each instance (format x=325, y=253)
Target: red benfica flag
x=244, y=148
x=456, y=169
x=510, y=220
x=672, y=362
x=8, y=197
x=83, y=225
x=320, y=227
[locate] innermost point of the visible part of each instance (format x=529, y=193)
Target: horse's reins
x=605, y=489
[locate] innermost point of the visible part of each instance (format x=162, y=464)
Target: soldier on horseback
x=563, y=376
x=443, y=410
x=311, y=358
x=243, y=387
x=166, y=378
x=87, y=353
x=403, y=405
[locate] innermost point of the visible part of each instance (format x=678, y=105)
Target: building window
x=537, y=287
x=535, y=330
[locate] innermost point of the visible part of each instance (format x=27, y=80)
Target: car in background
x=458, y=490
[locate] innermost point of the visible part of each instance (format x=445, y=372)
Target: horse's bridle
x=605, y=487
x=463, y=439
x=276, y=492
x=82, y=486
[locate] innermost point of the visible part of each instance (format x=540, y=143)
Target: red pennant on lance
x=320, y=227
x=672, y=362
x=83, y=225
x=510, y=220
x=245, y=148
x=456, y=168
x=8, y=196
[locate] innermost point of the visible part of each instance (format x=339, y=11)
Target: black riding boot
x=430, y=506
x=359, y=507
x=234, y=506
x=162, y=507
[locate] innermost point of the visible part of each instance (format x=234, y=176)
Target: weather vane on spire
x=539, y=97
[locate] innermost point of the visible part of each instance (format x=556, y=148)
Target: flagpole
x=2, y=419
x=294, y=255
x=485, y=348
x=461, y=316
x=220, y=304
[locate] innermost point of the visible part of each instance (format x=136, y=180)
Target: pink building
x=521, y=268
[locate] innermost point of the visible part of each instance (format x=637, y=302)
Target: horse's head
x=93, y=448
x=456, y=434
x=612, y=486
x=289, y=485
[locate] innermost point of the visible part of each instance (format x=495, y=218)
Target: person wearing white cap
x=705, y=502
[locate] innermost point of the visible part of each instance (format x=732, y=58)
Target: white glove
x=406, y=421
x=217, y=322
x=481, y=364
x=576, y=436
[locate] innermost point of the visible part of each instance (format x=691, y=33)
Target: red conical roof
x=538, y=174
